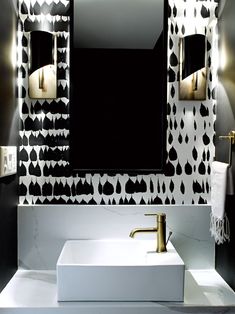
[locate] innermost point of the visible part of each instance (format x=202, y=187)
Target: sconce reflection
x=193, y=71
x=42, y=67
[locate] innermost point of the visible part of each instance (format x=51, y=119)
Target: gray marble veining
x=44, y=229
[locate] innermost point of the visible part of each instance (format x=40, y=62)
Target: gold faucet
x=160, y=229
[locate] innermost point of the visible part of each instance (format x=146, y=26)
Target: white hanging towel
x=219, y=226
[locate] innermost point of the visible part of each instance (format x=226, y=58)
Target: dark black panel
x=8, y=228
x=8, y=136
x=225, y=253
x=118, y=109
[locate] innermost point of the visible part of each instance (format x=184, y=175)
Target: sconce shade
x=41, y=50
x=193, y=54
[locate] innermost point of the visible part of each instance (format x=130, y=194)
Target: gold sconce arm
x=41, y=78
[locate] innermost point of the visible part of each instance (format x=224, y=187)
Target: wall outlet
x=8, y=162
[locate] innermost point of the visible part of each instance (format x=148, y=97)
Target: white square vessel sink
x=119, y=270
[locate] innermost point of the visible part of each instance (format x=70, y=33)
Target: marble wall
x=42, y=230
x=45, y=173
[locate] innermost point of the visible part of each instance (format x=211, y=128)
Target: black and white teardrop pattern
x=45, y=174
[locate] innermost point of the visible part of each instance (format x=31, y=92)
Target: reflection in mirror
x=118, y=82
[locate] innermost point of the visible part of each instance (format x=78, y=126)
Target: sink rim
x=144, y=254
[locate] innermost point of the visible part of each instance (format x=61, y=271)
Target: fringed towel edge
x=220, y=228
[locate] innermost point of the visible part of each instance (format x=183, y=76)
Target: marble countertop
x=32, y=291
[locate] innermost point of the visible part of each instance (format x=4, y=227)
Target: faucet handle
x=161, y=217
x=151, y=214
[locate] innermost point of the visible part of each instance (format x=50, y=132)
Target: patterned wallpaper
x=45, y=174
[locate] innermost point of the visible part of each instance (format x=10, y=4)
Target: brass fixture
x=42, y=65
x=160, y=229
x=230, y=136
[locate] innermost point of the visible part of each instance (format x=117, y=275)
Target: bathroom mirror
x=118, y=85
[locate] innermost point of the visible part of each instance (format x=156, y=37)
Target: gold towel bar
x=230, y=136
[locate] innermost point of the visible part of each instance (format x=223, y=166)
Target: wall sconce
x=192, y=85
x=42, y=65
